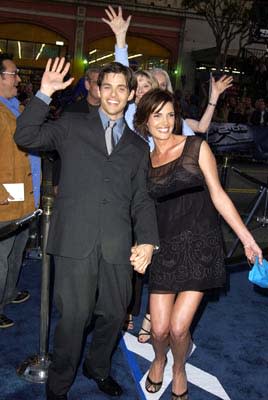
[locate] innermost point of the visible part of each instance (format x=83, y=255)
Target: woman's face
x=144, y=85
x=161, y=122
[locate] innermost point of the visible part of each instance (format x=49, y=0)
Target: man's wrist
x=46, y=91
x=43, y=96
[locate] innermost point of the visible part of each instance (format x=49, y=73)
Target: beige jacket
x=14, y=168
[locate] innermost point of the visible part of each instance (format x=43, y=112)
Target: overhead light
x=40, y=51
x=59, y=43
x=19, y=49
x=135, y=55
x=92, y=51
x=101, y=58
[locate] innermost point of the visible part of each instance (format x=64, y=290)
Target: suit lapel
x=97, y=131
x=125, y=139
x=98, y=134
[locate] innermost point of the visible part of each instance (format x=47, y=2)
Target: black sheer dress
x=191, y=252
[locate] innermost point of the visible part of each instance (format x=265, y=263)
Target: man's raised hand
x=54, y=75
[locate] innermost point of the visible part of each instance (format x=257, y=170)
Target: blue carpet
x=230, y=337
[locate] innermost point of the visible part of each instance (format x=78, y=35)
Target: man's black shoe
x=107, y=385
x=21, y=297
x=53, y=396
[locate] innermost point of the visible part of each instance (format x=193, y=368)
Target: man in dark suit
x=102, y=200
x=260, y=115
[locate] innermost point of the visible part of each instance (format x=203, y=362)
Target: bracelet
x=212, y=104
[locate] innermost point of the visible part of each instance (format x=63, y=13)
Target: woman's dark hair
x=117, y=68
x=153, y=101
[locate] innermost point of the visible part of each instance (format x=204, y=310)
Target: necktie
x=109, y=136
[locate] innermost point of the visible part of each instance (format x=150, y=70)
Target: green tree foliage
x=227, y=19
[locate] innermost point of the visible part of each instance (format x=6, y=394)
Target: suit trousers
x=84, y=287
x=11, y=252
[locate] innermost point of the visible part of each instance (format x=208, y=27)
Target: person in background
x=26, y=94
x=16, y=166
x=221, y=111
x=163, y=79
x=183, y=180
x=248, y=109
x=92, y=98
x=260, y=115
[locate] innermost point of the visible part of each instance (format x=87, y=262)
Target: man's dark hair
x=117, y=68
x=154, y=101
x=4, y=57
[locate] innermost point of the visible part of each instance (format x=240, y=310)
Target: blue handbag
x=259, y=273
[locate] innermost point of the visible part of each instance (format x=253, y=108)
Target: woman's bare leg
x=161, y=306
x=181, y=318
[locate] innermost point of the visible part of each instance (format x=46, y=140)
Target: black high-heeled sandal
x=183, y=396
x=155, y=385
x=143, y=331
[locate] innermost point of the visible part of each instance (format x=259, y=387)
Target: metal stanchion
x=263, y=194
x=224, y=171
x=35, y=368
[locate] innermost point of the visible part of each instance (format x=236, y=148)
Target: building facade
x=34, y=30
x=161, y=34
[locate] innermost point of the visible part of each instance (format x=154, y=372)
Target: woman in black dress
x=184, y=182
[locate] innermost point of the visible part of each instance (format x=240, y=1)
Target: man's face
x=261, y=105
x=9, y=80
x=29, y=88
x=114, y=94
x=247, y=102
x=161, y=79
x=92, y=88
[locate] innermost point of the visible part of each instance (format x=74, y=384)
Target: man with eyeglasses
x=15, y=167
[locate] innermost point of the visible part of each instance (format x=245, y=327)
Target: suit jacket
x=81, y=106
x=14, y=168
x=100, y=196
x=256, y=118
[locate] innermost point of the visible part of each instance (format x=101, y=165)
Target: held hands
x=252, y=250
x=116, y=22
x=54, y=75
x=141, y=256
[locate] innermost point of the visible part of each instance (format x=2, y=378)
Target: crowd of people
x=135, y=188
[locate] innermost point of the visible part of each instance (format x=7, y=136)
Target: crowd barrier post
x=35, y=368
